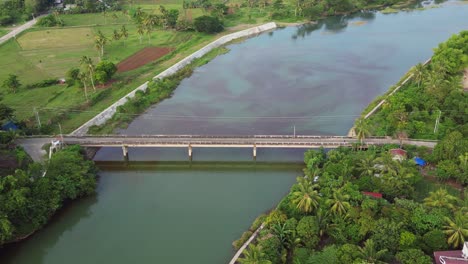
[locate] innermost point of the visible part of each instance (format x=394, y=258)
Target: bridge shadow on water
x=197, y=165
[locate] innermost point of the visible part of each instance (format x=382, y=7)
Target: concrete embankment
x=105, y=115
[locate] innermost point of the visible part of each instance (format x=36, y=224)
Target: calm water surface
x=316, y=78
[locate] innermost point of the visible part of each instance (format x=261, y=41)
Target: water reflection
x=43, y=240
x=334, y=24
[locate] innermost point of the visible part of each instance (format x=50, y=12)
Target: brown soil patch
x=142, y=57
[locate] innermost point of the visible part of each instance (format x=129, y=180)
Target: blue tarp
x=9, y=126
x=419, y=161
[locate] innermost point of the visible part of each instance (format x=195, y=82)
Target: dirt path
x=19, y=29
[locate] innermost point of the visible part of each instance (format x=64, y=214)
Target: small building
x=373, y=194
x=452, y=256
x=398, y=154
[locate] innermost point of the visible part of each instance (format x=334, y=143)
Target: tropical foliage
x=28, y=198
x=328, y=218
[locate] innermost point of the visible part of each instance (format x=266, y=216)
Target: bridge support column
x=125, y=152
x=190, y=152
x=254, y=152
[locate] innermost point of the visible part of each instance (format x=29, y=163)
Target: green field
x=3, y=32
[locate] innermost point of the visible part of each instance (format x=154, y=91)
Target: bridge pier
x=190, y=152
x=125, y=152
x=254, y=151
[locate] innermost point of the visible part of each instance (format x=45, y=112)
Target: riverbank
x=29, y=200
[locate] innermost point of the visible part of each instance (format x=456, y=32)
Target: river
x=314, y=78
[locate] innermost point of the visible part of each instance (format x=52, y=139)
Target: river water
x=316, y=78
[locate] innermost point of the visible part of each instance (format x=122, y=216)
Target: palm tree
x=253, y=255
x=83, y=77
x=366, y=166
x=339, y=204
x=100, y=40
x=116, y=35
x=369, y=253
x=457, y=229
x=124, y=33
x=362, y=129
x=440, y=198
x=140, y=31
x=322, y=217
x=88, y=63
x=418, y=73
x=306, y=198
x=148, y=22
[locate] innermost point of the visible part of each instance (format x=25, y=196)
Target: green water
x=317, y=78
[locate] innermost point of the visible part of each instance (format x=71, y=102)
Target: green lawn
x=425, y=186
x=3, y=32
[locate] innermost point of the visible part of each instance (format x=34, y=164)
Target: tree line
x=28, y=198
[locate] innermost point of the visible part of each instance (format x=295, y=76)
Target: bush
x=239, y=242
x=50, y=21
x=413, y=256
x=434, y=240
x=104, y=71
x=5, y=20
x=42, y=84
x=208, y=24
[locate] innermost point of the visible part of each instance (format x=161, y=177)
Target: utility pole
x=294, y=130
x=436, y=126
x=37, y=117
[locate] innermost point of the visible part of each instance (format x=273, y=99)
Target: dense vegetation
x=326, y=218
x=432, y=105
x=28, y=198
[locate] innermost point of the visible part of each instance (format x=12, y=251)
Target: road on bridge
x=33, y=145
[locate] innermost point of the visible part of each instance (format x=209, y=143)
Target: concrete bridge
x=33, y=144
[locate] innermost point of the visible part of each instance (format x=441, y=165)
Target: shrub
x=104, y=71
x=208, y=24
x=42, y=84
x=239, y=242
x=413, y=256
x=50, y=21
x=434, y=240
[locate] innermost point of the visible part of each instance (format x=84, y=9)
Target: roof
x=373, y=194
x=419, y=161
x=398, y=151
x=449, y=257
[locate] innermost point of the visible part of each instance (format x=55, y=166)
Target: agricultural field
x=44, y=53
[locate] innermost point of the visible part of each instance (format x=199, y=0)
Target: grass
x=425, y=186
x=3, y=32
